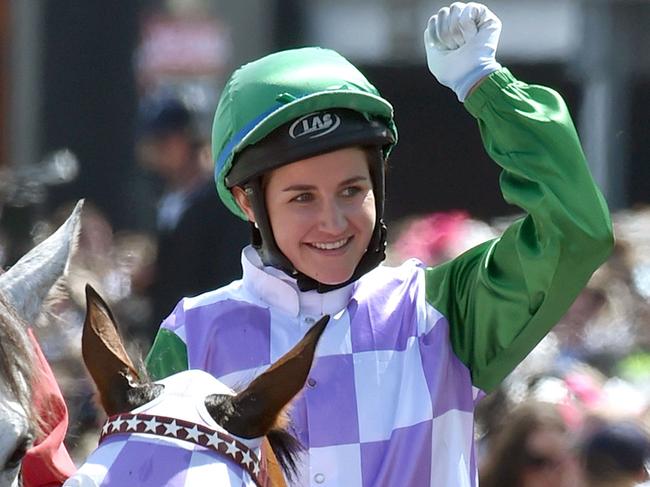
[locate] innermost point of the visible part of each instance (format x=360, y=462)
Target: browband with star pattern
x=221, y=443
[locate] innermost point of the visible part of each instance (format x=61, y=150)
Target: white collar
x=278, y=290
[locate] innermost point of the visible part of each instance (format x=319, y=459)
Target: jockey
x=300, y=141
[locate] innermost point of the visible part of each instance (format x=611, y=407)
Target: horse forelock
x=286, y=448
x=144, y=390
x=16, y=358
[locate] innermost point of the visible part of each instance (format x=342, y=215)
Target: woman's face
x=322, y=212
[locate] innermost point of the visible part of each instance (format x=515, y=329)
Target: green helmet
x=278, y=88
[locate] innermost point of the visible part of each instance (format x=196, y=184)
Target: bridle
x=219, y=442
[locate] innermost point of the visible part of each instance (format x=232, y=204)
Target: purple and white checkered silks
x=387, y=401
x=140, y=459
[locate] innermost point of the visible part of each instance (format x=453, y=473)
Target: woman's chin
x=331, y=278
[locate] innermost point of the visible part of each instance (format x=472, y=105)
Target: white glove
x=461, y=42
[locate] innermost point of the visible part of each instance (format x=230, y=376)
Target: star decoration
x=246, y=458
x=232, y=449
x=132, y=424
x=214, y=440
x=172, y=428
x=117, y=423
x=151, y=425
x=193, y=433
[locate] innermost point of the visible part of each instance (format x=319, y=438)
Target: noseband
x=221, y=443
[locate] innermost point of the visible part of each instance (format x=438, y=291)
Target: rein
x=223, y=444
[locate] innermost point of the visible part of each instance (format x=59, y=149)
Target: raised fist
x=461, y=42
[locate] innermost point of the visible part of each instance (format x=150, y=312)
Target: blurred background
x=76, y=78
x=73, y=73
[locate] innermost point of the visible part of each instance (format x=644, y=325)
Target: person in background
x=531, y=449
x=437, y=237
x=198, y=241
x=616, y=454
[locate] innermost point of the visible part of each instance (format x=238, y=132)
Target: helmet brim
x=370, y=105
x=308, y=136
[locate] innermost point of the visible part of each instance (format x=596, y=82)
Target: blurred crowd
x=576, y=412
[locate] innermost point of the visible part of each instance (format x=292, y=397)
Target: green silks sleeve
x=168, y=355
x=503, y=296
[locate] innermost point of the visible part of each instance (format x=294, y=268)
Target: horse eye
x=18, y=454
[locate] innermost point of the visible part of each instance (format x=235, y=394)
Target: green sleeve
x=503, y=296
x=167, y=356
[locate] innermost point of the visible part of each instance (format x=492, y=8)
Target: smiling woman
x=322, y=212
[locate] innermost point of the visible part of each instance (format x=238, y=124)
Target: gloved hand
x=461, y=42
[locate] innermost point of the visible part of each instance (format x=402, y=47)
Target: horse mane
x=286, y=449
x=16, y=358
x=144, y=391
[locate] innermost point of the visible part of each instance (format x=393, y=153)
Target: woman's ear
x=241, y=197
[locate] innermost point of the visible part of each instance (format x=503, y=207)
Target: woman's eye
x=303, y=198
x=351, y=191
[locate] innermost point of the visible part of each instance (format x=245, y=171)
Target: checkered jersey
x=390, y=398
x=384, y=386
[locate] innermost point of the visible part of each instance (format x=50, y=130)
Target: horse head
x=22, y=291
x=189, y=428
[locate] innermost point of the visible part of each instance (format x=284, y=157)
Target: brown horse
x=188, y=429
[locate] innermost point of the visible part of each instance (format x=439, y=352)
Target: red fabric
x=47, y=463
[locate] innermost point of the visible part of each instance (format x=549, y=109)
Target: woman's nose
x=332, y=218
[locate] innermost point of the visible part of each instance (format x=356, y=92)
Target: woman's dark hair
x=508, y=454
x=614, y=452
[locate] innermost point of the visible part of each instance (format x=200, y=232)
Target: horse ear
x=105, y=356
x=254, y=411
x=29, y=280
